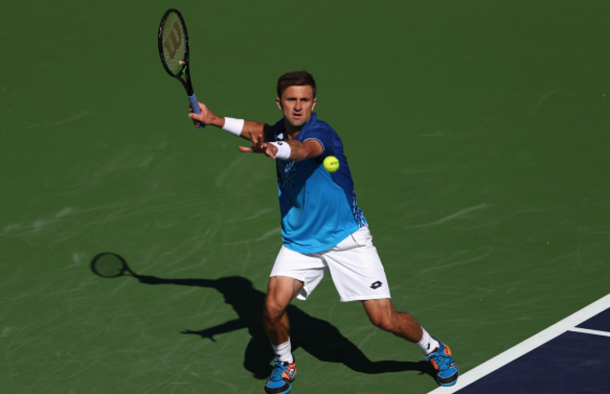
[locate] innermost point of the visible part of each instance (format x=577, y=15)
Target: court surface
x=477, y=136
x=568, y=357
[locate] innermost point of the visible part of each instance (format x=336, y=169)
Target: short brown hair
x=295, y=78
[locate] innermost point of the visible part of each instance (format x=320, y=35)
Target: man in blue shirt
x=323, y=229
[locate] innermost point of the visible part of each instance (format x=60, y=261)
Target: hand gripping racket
x=174, y=52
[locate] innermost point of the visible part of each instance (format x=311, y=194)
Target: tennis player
x=323, y=229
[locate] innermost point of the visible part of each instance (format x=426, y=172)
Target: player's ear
x=278, y=102
x=315, y=100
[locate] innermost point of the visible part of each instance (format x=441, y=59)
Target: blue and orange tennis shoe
x=283, y=374
x=444, y=365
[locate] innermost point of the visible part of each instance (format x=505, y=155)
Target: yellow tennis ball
x=331, y=164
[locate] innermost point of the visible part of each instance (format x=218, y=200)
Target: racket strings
x=174, y=43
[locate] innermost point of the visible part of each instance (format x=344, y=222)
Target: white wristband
x=234, y=126
x=283, y=150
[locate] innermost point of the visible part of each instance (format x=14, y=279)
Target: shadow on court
x=317, y=337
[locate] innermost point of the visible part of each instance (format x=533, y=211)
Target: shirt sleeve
x=325, y=137
x=275, y=132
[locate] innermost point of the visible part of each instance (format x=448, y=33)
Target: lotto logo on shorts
x=376, y=285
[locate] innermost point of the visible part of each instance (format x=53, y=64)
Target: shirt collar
x=310, y=122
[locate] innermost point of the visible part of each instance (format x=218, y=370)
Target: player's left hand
x=259, y=146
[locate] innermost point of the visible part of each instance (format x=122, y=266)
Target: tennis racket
x=110, y=265
x=174, y=52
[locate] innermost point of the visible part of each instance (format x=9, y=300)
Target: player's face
x=297, y=104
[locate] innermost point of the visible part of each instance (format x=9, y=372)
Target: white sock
x=284, y=351
x=427, y=344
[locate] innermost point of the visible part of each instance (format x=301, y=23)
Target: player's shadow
x=317, y=337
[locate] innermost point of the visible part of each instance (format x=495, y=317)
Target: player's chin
x=298, y=121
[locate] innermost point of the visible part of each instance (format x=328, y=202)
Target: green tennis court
x=477, y=134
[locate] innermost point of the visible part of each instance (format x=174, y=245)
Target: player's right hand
x=206, y=116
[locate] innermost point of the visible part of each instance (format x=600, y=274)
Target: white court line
x=569, y=323
x=591, y=332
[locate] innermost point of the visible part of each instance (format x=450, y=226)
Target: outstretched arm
x=254, y=131
x=283, y=150
x=207, y=117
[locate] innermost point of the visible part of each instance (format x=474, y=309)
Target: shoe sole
x=289, y=386
x=283, y=392
x=450, y=383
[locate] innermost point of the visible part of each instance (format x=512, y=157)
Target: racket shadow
x=316, y=336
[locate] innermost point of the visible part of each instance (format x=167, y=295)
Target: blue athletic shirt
x=318, y=209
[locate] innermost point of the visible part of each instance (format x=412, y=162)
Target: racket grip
x=195, y=106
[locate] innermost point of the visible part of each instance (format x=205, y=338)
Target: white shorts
x=354, y=265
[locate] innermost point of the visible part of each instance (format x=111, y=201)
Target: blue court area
x=600, y=322
x=569, y=357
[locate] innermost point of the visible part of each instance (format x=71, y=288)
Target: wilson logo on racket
x=176, y=42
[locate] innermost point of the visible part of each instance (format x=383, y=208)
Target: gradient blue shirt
x=318, y=209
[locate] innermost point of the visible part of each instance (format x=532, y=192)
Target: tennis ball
x=331, y=164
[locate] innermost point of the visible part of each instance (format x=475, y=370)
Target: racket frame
x=185, y=71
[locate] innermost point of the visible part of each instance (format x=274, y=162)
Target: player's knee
x=382, y=314
x=273, y=310
x=383, y=322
